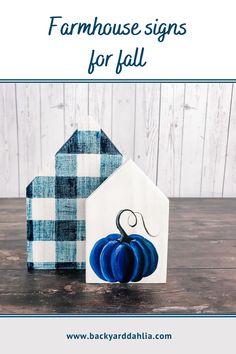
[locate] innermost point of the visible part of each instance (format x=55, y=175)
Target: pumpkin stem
x=124, y=236
x=144, y=225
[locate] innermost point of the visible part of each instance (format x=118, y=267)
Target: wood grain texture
x=202, y=219
x=52, y=120
x=171, y=136
x=76, y=106
x=181, y=135
x=9, y=143
x=229, y=187
x=187, y=291
x=123, y=114
x=193, y=139
x=29, y=132
x=100, y=105
x=199, y=254
x=216, y=136
x=201, y=270
x=12, y=210
x=147, y=128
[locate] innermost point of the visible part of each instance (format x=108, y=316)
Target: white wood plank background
x=182, y=135
x=171, y=138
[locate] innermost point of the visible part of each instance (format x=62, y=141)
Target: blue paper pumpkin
x=122, y=258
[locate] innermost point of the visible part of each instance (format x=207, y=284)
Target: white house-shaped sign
x=128, y=188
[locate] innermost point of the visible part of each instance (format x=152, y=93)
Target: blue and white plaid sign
x=56, y=227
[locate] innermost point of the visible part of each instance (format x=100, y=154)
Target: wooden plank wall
x=182, y=135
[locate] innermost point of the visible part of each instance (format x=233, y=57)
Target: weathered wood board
x=201, y=268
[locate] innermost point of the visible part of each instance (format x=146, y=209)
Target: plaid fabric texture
x=56, y=228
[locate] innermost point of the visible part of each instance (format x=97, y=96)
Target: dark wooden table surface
x=201, y=268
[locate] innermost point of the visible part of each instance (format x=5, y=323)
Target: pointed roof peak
x=125, y=172
x=88, y=138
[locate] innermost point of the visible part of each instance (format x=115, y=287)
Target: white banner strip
x=117, y=335
x=127, y=40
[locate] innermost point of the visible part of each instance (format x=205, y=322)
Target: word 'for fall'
x=123, y=60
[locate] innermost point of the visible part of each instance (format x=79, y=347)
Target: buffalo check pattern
x=56, y=227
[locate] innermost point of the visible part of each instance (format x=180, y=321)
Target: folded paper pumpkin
x=56, y=229
x=109, y=257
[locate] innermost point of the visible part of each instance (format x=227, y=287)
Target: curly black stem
x=124, y=236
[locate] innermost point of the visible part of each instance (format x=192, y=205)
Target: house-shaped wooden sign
x=115, y=251
x=56, y=228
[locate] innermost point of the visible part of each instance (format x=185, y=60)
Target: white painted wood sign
x=128, y=188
